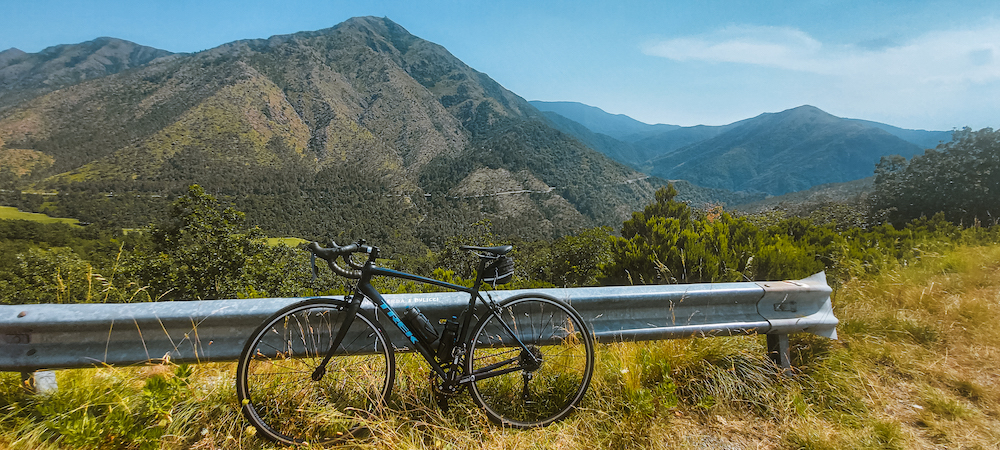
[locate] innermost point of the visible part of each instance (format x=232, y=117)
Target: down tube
x=380, y=303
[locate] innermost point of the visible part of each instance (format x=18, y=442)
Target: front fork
x=352, y=311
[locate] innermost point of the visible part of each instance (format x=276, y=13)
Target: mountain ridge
x=813, y=147
x=26, y=75
x=618, y=126
x=925, y=138
x=681, y=152
x=361, y=117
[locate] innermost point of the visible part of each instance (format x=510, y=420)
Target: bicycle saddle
x=498, y=250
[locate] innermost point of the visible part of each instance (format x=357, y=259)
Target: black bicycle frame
x=365, y=288
x=369, y=291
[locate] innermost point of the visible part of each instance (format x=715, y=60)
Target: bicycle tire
x=274, y=374
x=532, y=394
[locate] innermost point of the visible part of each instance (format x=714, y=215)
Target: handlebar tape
x=330, y=255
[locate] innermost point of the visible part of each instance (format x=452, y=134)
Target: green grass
x=11, y=213
x=287, y=241
x=914, y=368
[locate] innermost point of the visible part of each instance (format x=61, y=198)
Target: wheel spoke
x=274, y=375
x=555, y=369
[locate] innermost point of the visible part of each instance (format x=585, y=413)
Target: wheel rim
x=281, y=398
x=546, y=390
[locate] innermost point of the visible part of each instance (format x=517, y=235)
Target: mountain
x=659, y=144
x=784, y=152
x=26, y=75
x=621, y=151
x=620, y=137
x=359, y=130
x=802, y=134
x=922, y=138
x=618, y=126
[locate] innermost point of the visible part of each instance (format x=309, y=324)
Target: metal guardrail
x=47, y=336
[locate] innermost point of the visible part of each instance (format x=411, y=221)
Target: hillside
x=842, y=205
x=622, y=138
x=618, y=126
x=360, y=130
x=922, y=138
x=621, y=151
x=24, y=76
x=659, y=144
x=783, y=152
x=793, y=143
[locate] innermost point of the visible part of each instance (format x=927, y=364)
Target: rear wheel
x=537, y=384
x=274, y=377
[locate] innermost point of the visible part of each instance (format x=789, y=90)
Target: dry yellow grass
x=915, y=368
x=929, y=339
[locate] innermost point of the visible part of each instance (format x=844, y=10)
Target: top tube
x=381, y=271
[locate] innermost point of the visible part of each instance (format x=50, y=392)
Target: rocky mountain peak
x=384, y=132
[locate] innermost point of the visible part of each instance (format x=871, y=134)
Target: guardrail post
x=39, y=382
x=778, y=351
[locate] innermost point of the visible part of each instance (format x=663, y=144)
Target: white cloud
x=938, y=70
x=787, y=48
x=971, y=55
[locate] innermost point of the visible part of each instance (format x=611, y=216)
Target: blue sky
x=923, y=64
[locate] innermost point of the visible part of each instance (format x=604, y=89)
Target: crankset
x=447, y=388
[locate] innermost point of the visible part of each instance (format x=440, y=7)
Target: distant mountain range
x=618, y=126
x=774, y=153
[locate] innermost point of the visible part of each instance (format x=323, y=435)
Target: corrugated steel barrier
x=46, y=336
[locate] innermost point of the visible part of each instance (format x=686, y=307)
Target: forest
x=205, y=248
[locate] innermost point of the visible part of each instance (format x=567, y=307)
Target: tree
x=960, y=179
x=663, y=244
x=54, y=275
x=576, y=260
x=203, y=251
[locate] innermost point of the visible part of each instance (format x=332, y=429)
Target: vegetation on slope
x=960, y=179
x=11, y=213
x=910, y=370
x=26, y=75
x=308, y=133
x=667, y=242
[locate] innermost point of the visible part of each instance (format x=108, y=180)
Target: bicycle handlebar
x=331, y=254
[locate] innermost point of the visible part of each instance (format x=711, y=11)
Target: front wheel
x=274, y=376
x=541, y=381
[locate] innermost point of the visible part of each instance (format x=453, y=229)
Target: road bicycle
x=317, y=371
